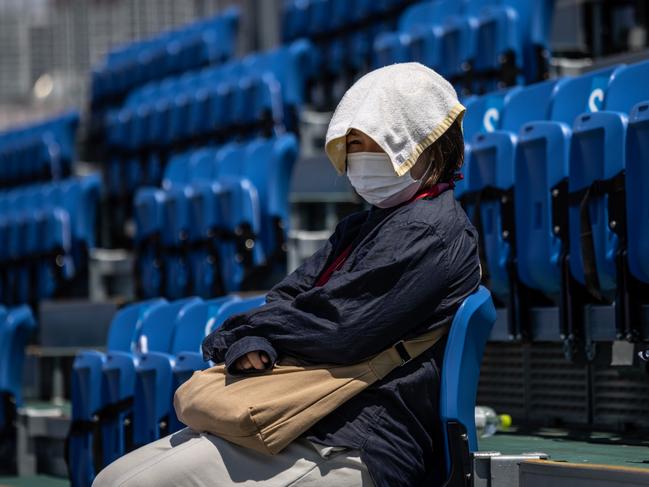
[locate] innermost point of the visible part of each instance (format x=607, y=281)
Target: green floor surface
x=33, y=481
x=564, y=449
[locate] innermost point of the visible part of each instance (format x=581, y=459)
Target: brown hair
x=446, y=155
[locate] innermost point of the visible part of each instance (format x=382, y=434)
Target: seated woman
x=395, y=271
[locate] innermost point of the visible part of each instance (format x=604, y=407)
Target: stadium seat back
x=15, y=331
x=269, y=165
x=637, y=196
x=541, y=164
x=241, y=210
x=580, y=94
x=159, y=326
x=126, y=325
x=467, y=338
x=234, y=308
x=597, y=152
x=428, y=14
x=626, y=87
x=527, y=104
x=194, y=322
x=483, y=113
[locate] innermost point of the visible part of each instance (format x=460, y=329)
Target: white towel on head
x=404, y=108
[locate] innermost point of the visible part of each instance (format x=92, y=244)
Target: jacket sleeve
x=387, y=288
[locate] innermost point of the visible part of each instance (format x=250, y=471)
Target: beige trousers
x=188, y=458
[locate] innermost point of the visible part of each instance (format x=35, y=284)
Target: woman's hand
x=253, y=360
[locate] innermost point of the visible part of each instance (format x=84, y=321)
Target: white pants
x=189, y=458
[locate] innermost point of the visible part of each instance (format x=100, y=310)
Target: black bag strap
x=614, y=189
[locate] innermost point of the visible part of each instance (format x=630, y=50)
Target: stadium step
x=540, y=473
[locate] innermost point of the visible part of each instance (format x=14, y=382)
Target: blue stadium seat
x=204, y=42
x=294, y=19
x=176, y=228
x=206, y=219
x=233, y=308
x=492, y=166
x=268, y=165
x=188, y=356
x=598, y=154
x=541, y=168
x=16, y=327
x=86, y=391
x=149, y=222
x=118, y=376
x=239, y=249
x=459, y=382
x=499, y=44
x=156, y=374
x=637, y=196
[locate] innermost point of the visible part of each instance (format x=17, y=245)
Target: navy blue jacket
x=409, y=270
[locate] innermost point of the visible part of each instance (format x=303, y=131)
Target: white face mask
x=373, y=177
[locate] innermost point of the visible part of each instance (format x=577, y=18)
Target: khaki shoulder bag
x=266, y=411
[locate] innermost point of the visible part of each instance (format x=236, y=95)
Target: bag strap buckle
x=403, y=353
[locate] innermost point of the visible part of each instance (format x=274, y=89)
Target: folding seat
x=180, y=109
x=178, y=170
x=158, y=374
x=541, y=209
x=198, y=123
x=467, y=338
x=134, y=163
x=206, y=219
x=541, y=167
x=16, y=327
x=118, y=375
x=482, y=116
x=292, y=67
x=5, y=288
x=175, y=241
x=240, y=253
x=268, y=165
x=499, y=47
x=390, y=48
x=116, y=139
x=18, y=281
x=83, y=453
x=54, y=263
x=422, y=22
x=596, y=185
x=637, y=197
x=80, y=196
x=232, y=308
x=148, y=247
x=491, y=178
x=458, y=42
x=294, y=19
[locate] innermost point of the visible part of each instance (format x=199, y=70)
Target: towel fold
x=404, y=108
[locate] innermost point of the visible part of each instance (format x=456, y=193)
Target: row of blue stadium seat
x=477, y=45
x=153, y=347
x=16, y=327
x=45, y=233
x=258, y=94
x=205, y=42
x=310, y=18
x=123, y=399
x=342, y=33
x=221, y=215
x=545, y=165
x=38, y=152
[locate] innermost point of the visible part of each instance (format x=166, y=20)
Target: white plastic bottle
x=487, y=422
